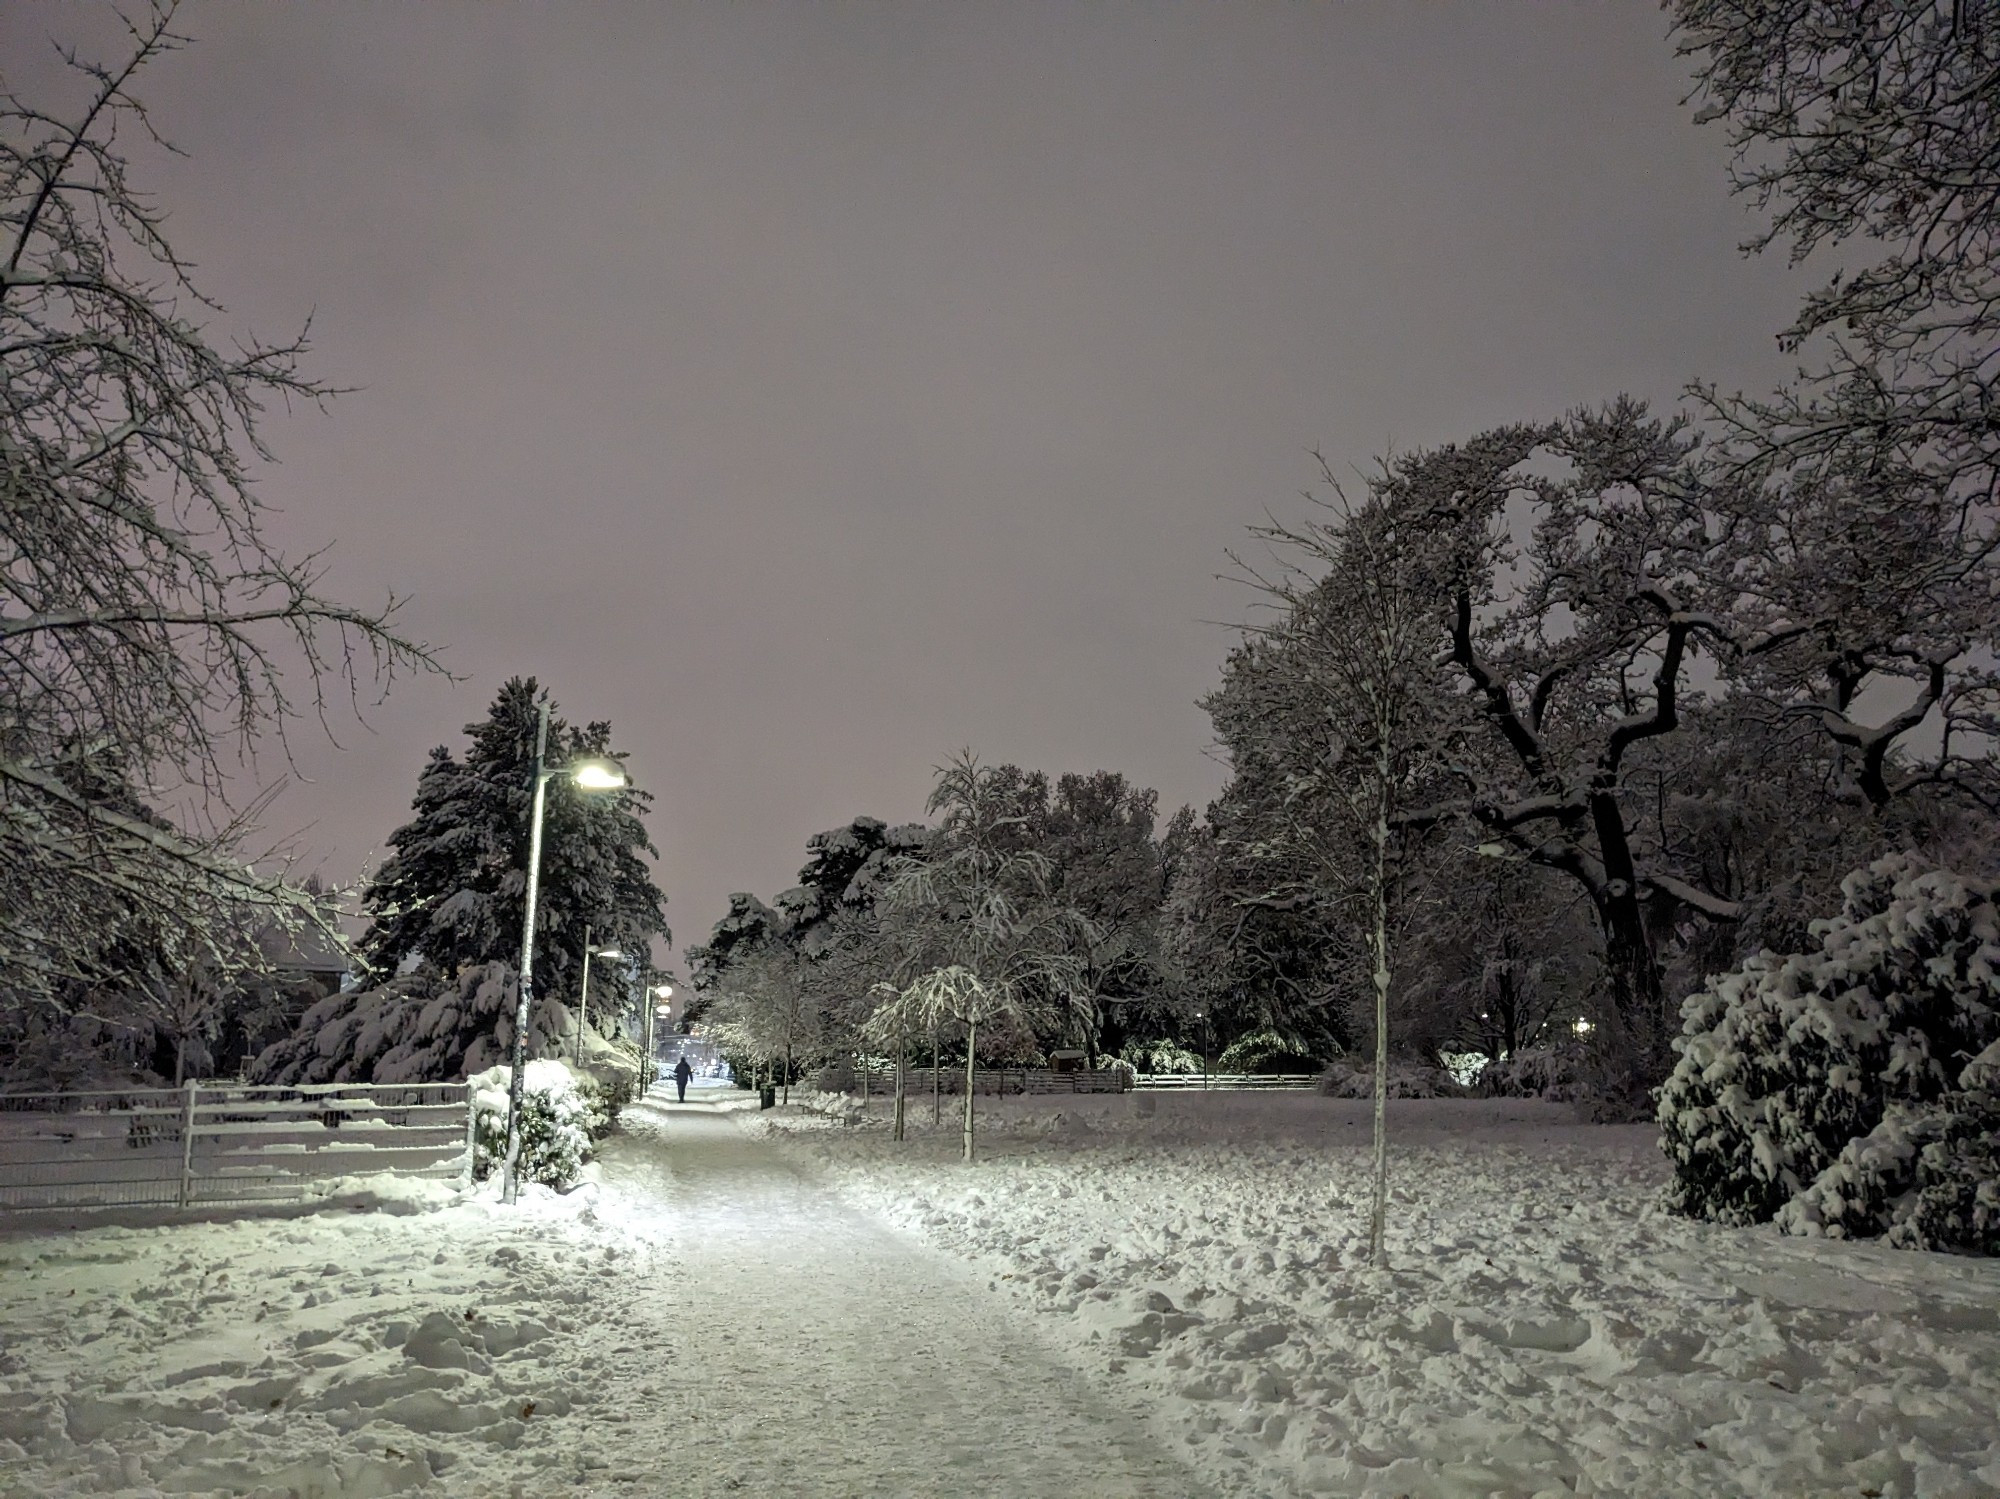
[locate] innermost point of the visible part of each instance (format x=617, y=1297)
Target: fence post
x=187, y=1144
x=471, y=1135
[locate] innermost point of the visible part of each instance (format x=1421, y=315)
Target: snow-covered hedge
x=1406, y=1080
x=555, y=1122
x=1854, y=1091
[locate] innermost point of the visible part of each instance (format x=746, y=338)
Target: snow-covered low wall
x=219, y=1142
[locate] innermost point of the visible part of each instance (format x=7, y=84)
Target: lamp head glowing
x=599, y=775
x=608, y=952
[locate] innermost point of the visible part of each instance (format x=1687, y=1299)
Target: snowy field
x=1542, y=1328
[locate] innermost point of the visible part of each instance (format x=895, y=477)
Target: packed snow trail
x=819, y=1353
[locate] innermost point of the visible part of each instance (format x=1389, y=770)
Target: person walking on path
x=682, y=1072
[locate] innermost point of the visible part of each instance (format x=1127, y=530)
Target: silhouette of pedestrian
x=682, y=1072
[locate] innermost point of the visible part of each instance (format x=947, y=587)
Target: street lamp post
x=583, y=995
x=590, y=775
x=659, y=991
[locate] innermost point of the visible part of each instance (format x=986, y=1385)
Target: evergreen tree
x=453, y=891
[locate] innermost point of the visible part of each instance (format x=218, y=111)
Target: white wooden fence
x=989, y=1080
x=1005, y=1080
x=212, y=1143
x=1184, y=1081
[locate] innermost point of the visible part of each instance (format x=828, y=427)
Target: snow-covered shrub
x=1264, y=1051
x=605, y=1093
x=419, y=1028
x=1553, y=1073
x=1847, y=1091
x=1406, y=1080
x=555, y=1116
x=1926, y=1177
x=1154, y=1057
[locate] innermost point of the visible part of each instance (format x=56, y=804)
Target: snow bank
x=1544, y=1326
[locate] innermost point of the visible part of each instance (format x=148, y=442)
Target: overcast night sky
x=813, y=391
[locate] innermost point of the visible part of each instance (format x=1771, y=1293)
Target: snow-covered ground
x=1543, y=1328
x=699, y=1319
x=1123, y=1304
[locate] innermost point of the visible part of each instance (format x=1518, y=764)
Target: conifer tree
x=452, y=892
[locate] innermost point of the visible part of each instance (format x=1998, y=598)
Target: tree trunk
x=1633, y=1055
x=788, y=1072
x=1378, y=942
x=971, y=1040
x=937, y=1091
x=900, y=1089
x=1632, y=1046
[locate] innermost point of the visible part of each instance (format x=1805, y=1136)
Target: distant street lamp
x=588, y=775
x=660, y=991
x=583, y=995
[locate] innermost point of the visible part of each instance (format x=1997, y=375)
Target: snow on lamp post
x=583, y=995
x=588, y=775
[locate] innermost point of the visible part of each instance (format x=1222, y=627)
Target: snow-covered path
x=826, y=1355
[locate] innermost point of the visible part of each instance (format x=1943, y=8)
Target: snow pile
x=1843, y=1092
x=555, y=1122
x=1545, y=1326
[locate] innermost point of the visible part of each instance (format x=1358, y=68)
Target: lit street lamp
x=583, y=995
x=588, y=775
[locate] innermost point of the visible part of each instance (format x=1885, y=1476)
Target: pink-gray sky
x=815, y=390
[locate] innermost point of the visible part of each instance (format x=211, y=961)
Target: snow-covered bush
x=1553, y=1073
x=605, y=1094
x=1155, y=1057
x=1264, y=1051
x=1926, y=1177
x=1406, y=1080
x=555, y=1119
x=1851, y=1091
x=419, y=1028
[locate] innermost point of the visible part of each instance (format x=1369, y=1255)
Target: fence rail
x=209, y=1143
x=991, y=1080
x=1047, y=1080
x=1195, y=1081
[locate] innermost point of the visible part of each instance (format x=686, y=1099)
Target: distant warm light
x=1583, y=1027
x=598, y=775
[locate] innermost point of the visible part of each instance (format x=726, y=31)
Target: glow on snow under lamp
x=598, y=775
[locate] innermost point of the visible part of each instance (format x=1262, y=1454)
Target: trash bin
x=769, y=1097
